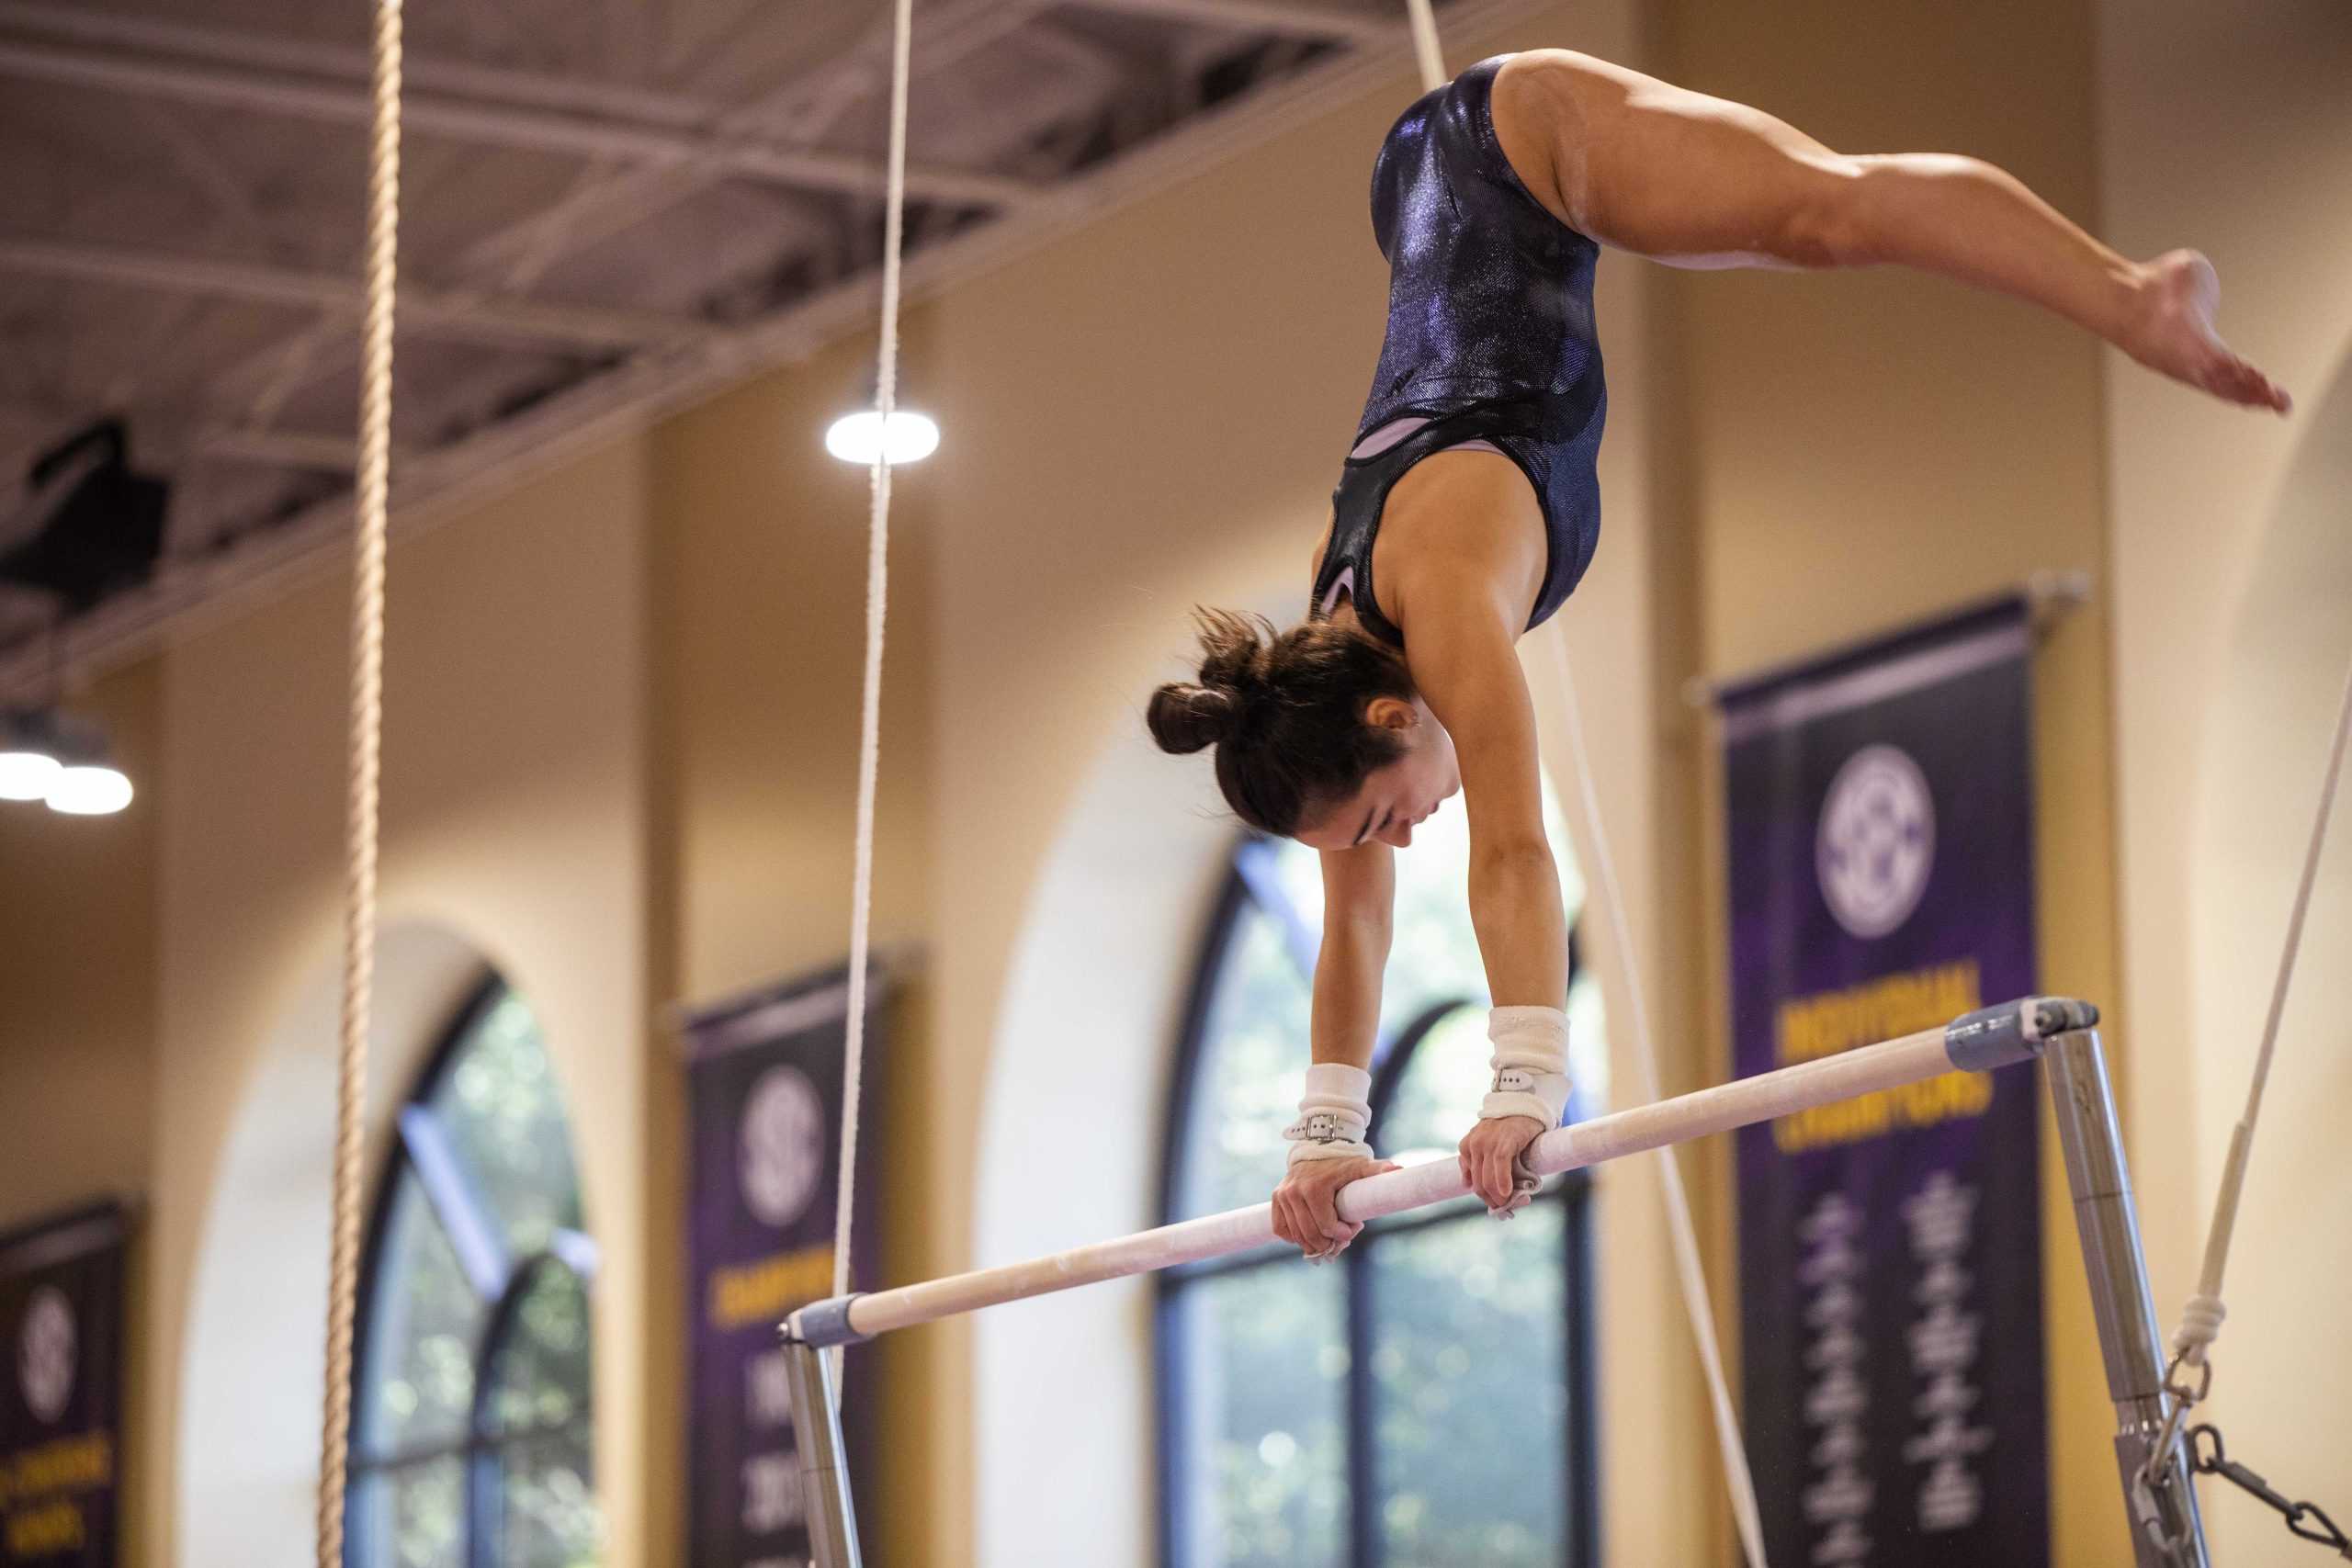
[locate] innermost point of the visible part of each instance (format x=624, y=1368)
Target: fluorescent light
x=858, y=437
x=29, y=753
x=27, y=774
x=89, y=791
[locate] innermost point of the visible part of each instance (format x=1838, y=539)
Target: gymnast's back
x=1490, y=330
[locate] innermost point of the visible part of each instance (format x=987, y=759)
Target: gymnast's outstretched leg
x=1648, y=167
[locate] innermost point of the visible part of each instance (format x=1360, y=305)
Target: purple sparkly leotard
x=1490, y=338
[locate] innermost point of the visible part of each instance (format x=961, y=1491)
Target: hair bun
x=1185, y=718
x=1233, y=651
x=1233, y=664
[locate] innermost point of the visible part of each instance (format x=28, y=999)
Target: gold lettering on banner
x=1887, y=1009
x=1829, y=1022
x=49, y=1531
x=765, y=1290
x=69, y=1465
x=1947, y=1097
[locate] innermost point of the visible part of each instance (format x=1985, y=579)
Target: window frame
x=1247, y=887
x=420, y=1148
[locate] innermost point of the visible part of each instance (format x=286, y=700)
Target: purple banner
x=764, y=1095
x=61, y=1390
x=1880, y=850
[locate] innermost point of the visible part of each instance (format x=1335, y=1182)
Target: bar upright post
x=2166, y=1531
x=824, y=1472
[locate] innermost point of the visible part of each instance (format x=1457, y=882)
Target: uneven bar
x=1992, y=1037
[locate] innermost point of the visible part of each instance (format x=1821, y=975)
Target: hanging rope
x=1428, y=52
x=367, y=752
x=1689, y=1272
x=877, y=596
x=2201, y=1321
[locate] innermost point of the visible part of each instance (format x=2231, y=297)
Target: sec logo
x=780, y=1151
x=46, y=1353
x=1876, y=842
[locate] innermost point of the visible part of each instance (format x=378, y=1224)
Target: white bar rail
x=1993, y=1037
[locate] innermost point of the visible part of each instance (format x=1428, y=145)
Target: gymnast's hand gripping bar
x=1992, y=1037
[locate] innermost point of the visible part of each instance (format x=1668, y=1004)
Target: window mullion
x=1582, y=1548
x=431, y=1145
x=450, y=1189
x=485, y=1505
x=1363, y=1439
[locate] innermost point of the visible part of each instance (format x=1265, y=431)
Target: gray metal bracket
x=2166, y=1531
x=824, y=1471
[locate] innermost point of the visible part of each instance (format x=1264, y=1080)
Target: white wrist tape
x=1529, y=1063
x=1334, y=1117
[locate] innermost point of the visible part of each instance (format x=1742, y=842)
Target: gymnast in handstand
x=1469, y=507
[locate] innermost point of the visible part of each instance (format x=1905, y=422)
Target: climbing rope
x=1428, y=52
x=2200, y=1320
x=877, y=595
x=367, y=752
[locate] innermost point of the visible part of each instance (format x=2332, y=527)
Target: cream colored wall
x=2283, y=1385
x=514, y=817
x=2231, y=131
x=1858, y=450
x=258, y=1352
x=77, y=1009
x=756, y=597
x=1063, y=1472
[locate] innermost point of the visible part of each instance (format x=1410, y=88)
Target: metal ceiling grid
x=608, y=210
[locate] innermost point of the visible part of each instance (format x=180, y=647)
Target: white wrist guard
x=1335, y=1116
x=1531, y=1064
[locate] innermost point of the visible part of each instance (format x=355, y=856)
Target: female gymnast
x=1469, y=507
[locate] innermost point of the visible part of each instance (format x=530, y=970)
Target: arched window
x=1428, y=1399
x=470, y=1430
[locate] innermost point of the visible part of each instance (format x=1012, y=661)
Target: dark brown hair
x=1285, y=711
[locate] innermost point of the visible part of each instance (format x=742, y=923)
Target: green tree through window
x=1426, y=1403
x=471, y=1414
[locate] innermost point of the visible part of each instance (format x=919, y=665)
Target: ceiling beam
x=953, y=30
x=449, y=481
x=164, y=443
x=447, y=315
x=1321, y=20
x=80, y=22
x=496, y=124
x=281, y=449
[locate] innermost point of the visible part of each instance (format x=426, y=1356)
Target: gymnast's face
x=1394, y=799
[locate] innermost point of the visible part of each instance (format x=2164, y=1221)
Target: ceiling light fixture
x=859, y=437
x=89, y=789
x=28, y=763
x=46, y=755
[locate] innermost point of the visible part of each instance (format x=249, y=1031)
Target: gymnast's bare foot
x=2172, y=330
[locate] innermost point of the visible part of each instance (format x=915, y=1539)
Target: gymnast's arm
x=1358, y=908
x=1461, y=649
x=1359, y=914
x=1464, y=662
